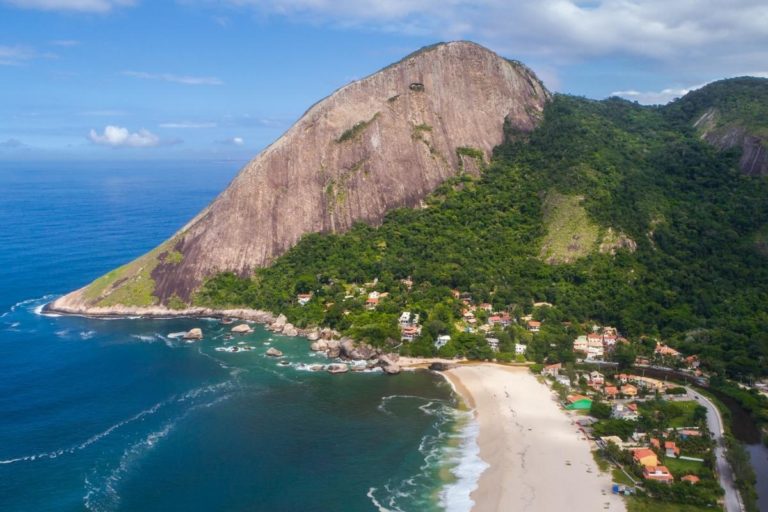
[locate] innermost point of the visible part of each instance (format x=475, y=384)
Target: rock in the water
x=280, y=321
x=314, y=335
x=347, y=345
x=389, y=364
x=337, y=368
x=272, y=351
x=290, y=330
x=194, y=334
x=319, y=346
x=441, y=367
x=242, y=329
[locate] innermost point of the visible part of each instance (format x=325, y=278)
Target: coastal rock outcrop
x=242, y=329
x=379, y=143
x=388, y=363
x=194, y=334
x=273, y=352
x=337, y=368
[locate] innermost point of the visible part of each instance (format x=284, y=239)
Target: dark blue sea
x=124, y=415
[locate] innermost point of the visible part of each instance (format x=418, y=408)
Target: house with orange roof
x=628, y=390
x=534, y=325
x=671, y=449
x=611, y=391
x=658, y=474
x=552, y=370
x=664, y=350
x=655, y=443
x=691, y=479
x=645, y=457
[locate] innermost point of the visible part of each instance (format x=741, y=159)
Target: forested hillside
x=661, y=236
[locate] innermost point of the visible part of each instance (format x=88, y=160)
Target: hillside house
x=580, y=344
x=611, y=391
x=520, y=349
x=410, y=332
x=564, y=380
x=665, y=351
x=493, y=343
x=371, y=303
x=552, y=370
x=534, y=325
x=629, y=390
x=442, y=341
x=303, y=298
x=671, y=449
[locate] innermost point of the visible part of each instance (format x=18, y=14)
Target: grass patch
x=620, y=477
x=173, y=258
x=470, y=152
x=641, y=504
x=356, y=130
x=681, y=467
x=684, y=414
x=571, y=234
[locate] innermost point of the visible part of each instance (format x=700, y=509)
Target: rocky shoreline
x=326, y=340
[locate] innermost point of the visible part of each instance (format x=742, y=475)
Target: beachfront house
x=578, y=403
x=658, y=474
x=552, y=370
x=442, y=341
x=645, y=457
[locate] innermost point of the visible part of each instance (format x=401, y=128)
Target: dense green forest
x=693, y=277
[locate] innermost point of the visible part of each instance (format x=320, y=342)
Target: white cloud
x=117, y=136
x=70, y=5
x=180, y=79
x=666, y=95
x=14, y=55
x=186, y=125
x=233, y=141
x=560, y=30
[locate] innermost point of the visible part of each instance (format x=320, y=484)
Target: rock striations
x=379, y=143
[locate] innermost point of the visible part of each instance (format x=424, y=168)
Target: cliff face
x=379, y=143
x=754, y=150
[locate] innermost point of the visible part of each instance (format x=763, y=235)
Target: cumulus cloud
x=70, y=5
x=179, y=79
x=560, y=30
x=187, y=125
x=117, y=136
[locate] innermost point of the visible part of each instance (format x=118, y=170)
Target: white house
x=520, y=349
x=493, y=343
x=441, y=341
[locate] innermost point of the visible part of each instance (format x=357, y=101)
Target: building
x=441, y=341
x=611, y=391
x=665, y=351
x=690, y=479
x=520, y=349
x=629, y=390
x=552, y=370
x=564, y=380
x=410, y=332
x=303, y=298
x=486, y=307
x=688, y=432
x=620, y=411
x=671, y=449
x=595, y=349
x=645, y=457
x=596, y=378
x=371, y=303
x=580, y=344
x=658, y=474
x=534, y=325
x=493, y=343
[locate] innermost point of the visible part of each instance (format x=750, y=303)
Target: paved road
x=724, y=471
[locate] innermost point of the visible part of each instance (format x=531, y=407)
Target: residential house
x=520, y=349
x=629, y=390
x=645, y=457
x=623, y=378
x=564, y=380
x=688, y=432
x=506, y=319
x=371, y=303
x=303, y=298
x=595, y=349
x=410, y=332
x=578, y=403
x=611, y=391
x=486, y=307
x=596, y=378
x=552, y=370
x=658, y=474
x=494, y=320
x=442, y=341
x=665, y=351
x=655, y=443
x=671, y=449
x=534, y=325
x=620, y=411
x=642, y=361
x=493, y=343
x=692, y=362
x=580, y=344
x=690, y=479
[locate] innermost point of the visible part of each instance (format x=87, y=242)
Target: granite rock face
x=754, y=150
x=379, y=143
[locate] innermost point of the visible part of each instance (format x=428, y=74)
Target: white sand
x=539, y=460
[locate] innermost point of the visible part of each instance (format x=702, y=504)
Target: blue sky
x=221, y=79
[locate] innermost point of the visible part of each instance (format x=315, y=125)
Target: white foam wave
x=177, y=334
x=144, y=337
x=86, y=335
x=456, y=496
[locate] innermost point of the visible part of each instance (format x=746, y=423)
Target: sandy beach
x=538, y=460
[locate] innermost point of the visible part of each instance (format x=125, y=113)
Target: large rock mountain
x=382, y=142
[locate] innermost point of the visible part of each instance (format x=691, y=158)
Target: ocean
x=103, y=415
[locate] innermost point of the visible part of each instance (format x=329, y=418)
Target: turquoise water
x=125, y=415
